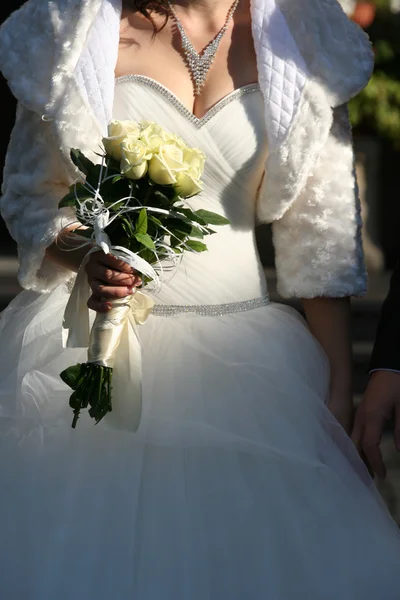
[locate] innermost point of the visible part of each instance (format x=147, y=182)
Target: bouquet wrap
x=113, y=343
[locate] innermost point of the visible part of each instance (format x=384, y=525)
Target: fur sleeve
x=317, y=241
x=35, y=179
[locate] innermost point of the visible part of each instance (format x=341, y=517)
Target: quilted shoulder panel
x=337, y=51
x=300, y=40
x=282, y=70
x=95, y=69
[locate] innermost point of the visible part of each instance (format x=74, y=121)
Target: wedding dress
x=239, y=483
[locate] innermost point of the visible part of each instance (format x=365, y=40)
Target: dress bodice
x=232, y=136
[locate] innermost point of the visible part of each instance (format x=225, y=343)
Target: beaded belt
x=209, y=310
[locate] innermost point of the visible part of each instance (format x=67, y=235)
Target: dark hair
x=146, y=7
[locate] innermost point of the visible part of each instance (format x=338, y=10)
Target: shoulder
x=317, y=40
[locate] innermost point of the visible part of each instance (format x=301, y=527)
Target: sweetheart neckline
x=178, y=104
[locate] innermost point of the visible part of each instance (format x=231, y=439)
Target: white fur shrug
x=59, y=58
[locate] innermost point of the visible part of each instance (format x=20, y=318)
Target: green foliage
x=79, y=159
x=212, y=218
x=76, y=191
x=196, y=246
x=376, y=110
x=136, y=230
x=91, y=385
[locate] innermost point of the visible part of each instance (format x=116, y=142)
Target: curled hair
x=146, y=7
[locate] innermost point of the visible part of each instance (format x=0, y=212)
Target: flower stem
x=92, y=386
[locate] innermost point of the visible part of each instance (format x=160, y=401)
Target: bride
x=241, y=481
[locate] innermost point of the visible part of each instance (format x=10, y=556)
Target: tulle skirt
x=239, y=484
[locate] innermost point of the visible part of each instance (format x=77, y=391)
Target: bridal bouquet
x=132, y=204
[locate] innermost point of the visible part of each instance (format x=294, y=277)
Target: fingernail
x=130, y=289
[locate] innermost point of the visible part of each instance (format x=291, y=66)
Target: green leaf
x=72, y=375
x=162, y=198
x=85, y=233
x=175, y=225
x=178, y=238
x=148, y=255
x=196, y=232
x=167, y=191
x=196, y=246
x=192, y=216
x=114, y=206
x=155, y=220
x=141, y=224
x=93, y=176
x=68, y=200
x=77, y=190
x=146, y=240
x=212, y=218
x=113, y=164
x=79, y=159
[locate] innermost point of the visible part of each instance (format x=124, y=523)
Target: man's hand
x=381, y=401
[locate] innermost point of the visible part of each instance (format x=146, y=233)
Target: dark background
x=8, y=104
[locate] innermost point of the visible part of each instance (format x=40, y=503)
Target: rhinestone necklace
x=200, y=64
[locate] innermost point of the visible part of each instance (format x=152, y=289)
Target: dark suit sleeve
x=386, y=353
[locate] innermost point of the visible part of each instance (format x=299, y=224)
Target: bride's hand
x=109, y=278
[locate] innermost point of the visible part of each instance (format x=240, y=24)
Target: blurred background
x=375, y=115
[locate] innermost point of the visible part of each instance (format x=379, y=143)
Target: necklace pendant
x=200, y=64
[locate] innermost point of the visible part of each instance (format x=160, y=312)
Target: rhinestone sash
x=209, y=310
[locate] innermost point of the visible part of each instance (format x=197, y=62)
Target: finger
x=109, y=276
x=98, y=305
x=397, y=427
x=110, y=292
x=366, y=462
x=357, y=432
x=112, y=263
x=371, y=443
x=115, y=263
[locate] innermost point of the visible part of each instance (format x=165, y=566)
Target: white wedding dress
x=239, y=484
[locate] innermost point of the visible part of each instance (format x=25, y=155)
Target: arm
x=319, y=257
x=35, y=179
x=67, y=250
x=329, y=322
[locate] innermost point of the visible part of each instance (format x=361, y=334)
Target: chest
x=161, y=58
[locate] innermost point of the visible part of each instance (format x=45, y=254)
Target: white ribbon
x=113, y=342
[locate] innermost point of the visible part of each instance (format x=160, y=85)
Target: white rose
x=134, y=160
x=166, y=164
x=118, y=131
x=177, y=140
x=152, y=135
x=195, y=160
x=188, y=183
